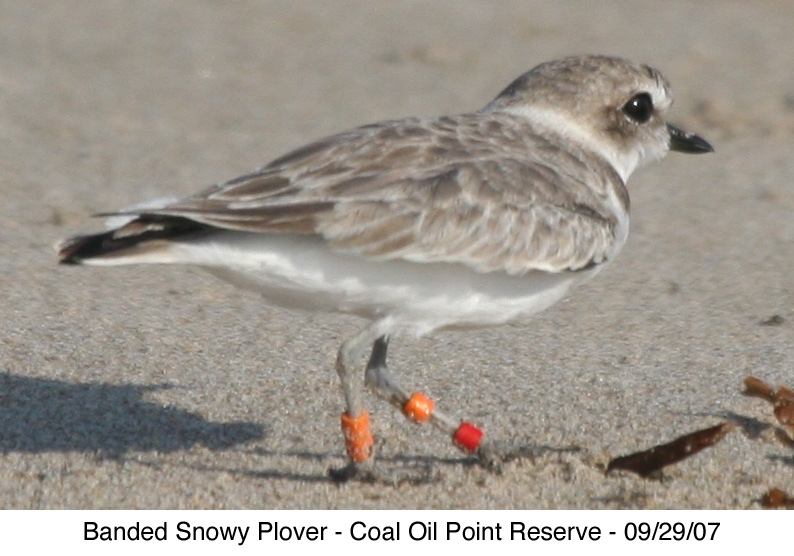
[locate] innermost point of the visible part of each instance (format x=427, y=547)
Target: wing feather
x=471, y=189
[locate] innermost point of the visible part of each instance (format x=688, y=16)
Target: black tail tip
x=75, y=250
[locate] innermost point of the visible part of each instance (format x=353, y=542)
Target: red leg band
x=468, y=437
x=419, y=407
x=358, y=437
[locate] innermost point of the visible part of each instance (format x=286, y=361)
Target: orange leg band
x=358, y=437
x=419, y=407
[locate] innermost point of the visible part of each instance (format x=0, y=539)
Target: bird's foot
x=377, y=472
x=493, y=457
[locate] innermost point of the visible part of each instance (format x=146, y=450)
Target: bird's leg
x=416, y=406
x=355, y=420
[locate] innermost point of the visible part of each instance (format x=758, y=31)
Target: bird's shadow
x=113, y=421
x=40, y=415
x=43, y=415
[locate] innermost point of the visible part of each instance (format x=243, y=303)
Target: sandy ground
x=163, y=388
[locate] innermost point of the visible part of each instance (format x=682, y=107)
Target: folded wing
x=463, y=190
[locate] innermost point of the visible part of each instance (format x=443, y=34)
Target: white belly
x=302, y=272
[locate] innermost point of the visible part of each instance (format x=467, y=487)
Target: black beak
x=685, y=142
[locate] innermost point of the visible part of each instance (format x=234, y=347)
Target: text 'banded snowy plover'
x=423, y=224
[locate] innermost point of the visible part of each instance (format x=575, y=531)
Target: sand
x=164, y=388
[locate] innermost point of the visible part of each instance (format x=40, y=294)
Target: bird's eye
x=639, y=108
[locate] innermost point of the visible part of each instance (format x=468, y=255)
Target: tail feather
x=142, y=235
x=75, y=250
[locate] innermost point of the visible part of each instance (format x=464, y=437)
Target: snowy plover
x=421, y=224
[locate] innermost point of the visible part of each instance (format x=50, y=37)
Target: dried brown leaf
x=756, y=387
x=776, y=498
x=648, y=461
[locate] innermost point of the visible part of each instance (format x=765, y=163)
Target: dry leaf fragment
x=648, y=461
x=782, y=400
x=776, y=498
x=756, y=387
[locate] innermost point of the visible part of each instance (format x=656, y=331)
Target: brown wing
x=474, y=189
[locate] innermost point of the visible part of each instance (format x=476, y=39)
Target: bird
x=423, y=224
